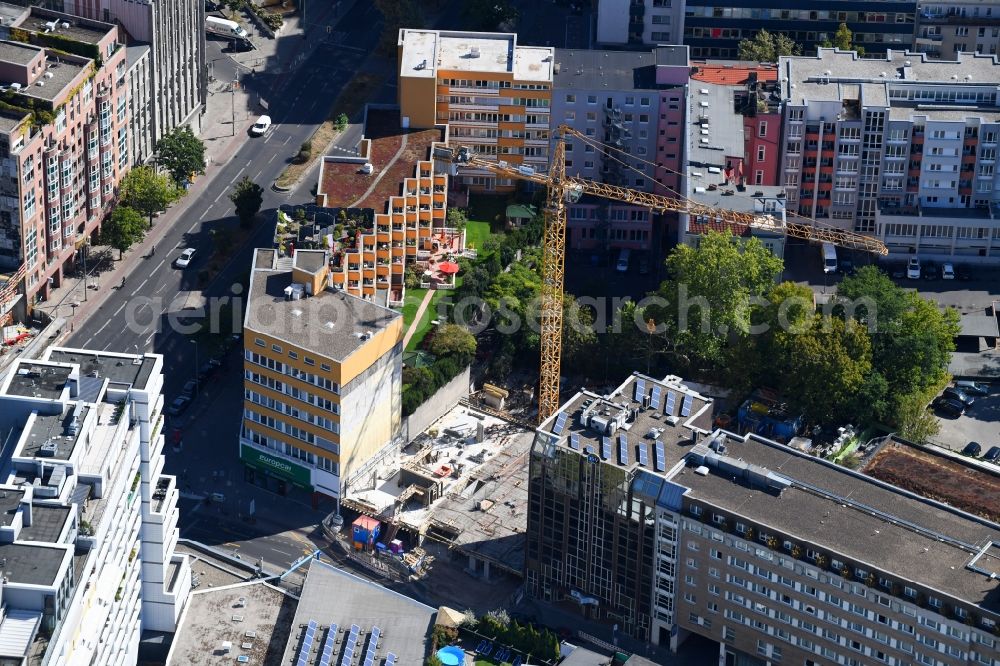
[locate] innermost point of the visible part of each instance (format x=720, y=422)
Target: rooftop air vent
x=474, y=52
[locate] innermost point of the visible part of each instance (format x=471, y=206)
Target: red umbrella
x=448, y=267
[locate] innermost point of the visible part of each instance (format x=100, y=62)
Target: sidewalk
x=221, y=143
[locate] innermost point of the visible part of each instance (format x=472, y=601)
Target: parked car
x=972, y=449
x=261, y=126
x=178, y=405
x=972, y=388
x=190, y=386
x=964, y=273
x=948, y=407
x=993, y=455
x=953, y=393
x=913, y=268
x=184, y=260
x=847, y=267
x=947, y=271
x=930, y=271
x=897, y=271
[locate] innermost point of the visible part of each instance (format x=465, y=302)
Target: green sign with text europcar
x=279, y=467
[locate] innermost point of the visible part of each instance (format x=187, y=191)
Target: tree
x=123, y=229
x=913, y=420
x=181, y=153
x=843, y=39
x=248, y=197
x=708, y=297
x=490, y=15
x=341, y=122
x=457, y=219
x=411, y=279
x=453, y=340
x=767, y=47
x=147, y=191
x=397, y=14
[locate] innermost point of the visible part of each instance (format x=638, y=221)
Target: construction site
x=460, y=489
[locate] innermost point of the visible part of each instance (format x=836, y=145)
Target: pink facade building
x=63, y=140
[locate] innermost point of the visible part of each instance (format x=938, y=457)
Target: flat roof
x=871, y=78
x=310, y=261
x=853, y=515
x=17, y=630
x=47, y=523
x=134, y=53
x=331, y=323
x=69, y=26
x=583, y=69
x=53, y=429
x=32, y=564
x=331, y=596
x=18, y=52
x=424, y=52
x=979, y=326
x=644, y=424
x=10, y=500
x=209, y=620
x=133, y=370
x=32, y=379
x=63, y=71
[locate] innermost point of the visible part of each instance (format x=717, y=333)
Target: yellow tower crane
x=563, y=189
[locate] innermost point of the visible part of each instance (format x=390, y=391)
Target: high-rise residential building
x=323, y=378
x=175, y=33
x=902, y=147
x=639, y=22
x=493, y=93
x=138, y=79
x=774, y=553
x=89, y=529
x=63, y=140
x=715, y=31
x=945, y=29
x=621, y=101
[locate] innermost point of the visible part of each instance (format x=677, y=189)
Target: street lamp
x=197, y=385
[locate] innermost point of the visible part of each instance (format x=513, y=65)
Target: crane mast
x=563, y=189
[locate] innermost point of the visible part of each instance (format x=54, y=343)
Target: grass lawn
x=476, y=233
x=412, y=303
x=430, y=314
x=490, y=209
x=489, y=662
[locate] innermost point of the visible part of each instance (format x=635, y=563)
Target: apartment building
x=731, y=158
x=323, y=377
x=945, y=29
x=777, y=555
x=88, y=535
x=174, y=30
x=640, y=22
x=63, y=140
x=902, y=147
x=632, y=104
x=494, y=94
x=408, y=225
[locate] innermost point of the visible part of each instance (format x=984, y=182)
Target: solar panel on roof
x=640, y=389
x=686, y=407
x=643, y=455
x=623, y=449
x=372, y=646
x=352, y=641
x=574, y=442
x=390, y=659
x=671, y=403
x=560, y=423
x=660, y=457
x=605, y=447
x=654, y=400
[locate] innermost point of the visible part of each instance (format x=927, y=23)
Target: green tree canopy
x=147, y=191
x=768, y=47
x=457, y=218
x=247, y=197
x=123, y=229
x=843, y=39
x=489, y=15
x=453, y=340
x=708, y=296
x=181, y=153
x=397, y=14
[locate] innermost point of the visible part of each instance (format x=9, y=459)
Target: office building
x=945, y=29
x=494, y=95
x=776, y=554
x=89, y=520
x=632, y=105
x=731, y=154
x=174, y=30
x=63, y=140
x=640, y=22
x=323, y=377
x=138, y=79
x=902, y=147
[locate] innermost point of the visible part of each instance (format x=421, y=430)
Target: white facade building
x=88, y=526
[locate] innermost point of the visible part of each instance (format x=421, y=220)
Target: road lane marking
x=159, y=266
x=193, y=227
x=287, y=139
x=139, y=288
x=231, y=182
x=100, y=329
x=257, y=177
x=120, y=308
x=273, y=155
x=150, y=338
x=205, y=214
x=162, y=287
x=220, y=195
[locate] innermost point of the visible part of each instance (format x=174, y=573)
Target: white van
x=829, y=258
x=224, y=28
x=623, y=257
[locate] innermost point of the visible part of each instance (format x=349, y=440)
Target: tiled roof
x=728, y=75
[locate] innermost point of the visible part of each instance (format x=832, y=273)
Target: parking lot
x=980, y=423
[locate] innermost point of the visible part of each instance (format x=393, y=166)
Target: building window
x=310, y=361
x=570, y=99
x=760, y=153
x=292, y=355
x=325, y=367
x=276, y=348
x=762, y=128
x=258, y=342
